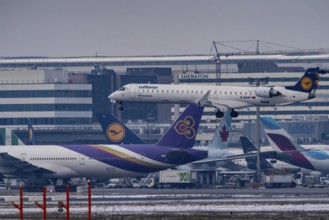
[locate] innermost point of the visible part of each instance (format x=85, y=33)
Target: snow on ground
x=178, y=206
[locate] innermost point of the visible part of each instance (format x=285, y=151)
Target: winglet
x=183, y=131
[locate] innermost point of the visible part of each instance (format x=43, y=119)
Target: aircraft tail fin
x=8, y=137
x=308, y=83
x=116, y=132
x=279, y=139
x=31, y=133
x=183, y=131
x=220, y=139
x=247, y=146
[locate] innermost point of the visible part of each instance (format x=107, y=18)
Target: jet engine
x=266, y=92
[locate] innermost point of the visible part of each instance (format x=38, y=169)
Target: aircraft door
x=141, y=157
x=82, y=159
x=23, y=156
x=133, y=93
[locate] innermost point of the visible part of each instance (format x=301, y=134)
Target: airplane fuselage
x=312, y=159
x=89, y=160
x=237, y=163
x=218, y=96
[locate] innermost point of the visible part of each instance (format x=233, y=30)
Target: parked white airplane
x=222, y=97
x=37, y=163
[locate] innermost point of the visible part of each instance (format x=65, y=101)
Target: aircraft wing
x=12, y=166
x=283, y=156
x=175, y=155
x=226, y=104
x=228, y=158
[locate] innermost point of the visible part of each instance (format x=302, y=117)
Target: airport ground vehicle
x=116, y=183
x=177, y=179
x=235, y=179
x=273, y=178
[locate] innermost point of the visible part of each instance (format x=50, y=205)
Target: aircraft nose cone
x=112, y=97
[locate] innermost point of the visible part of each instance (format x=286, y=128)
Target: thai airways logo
x=224, y=134
x=306, y=83
x=186, y=127
x=115, y=132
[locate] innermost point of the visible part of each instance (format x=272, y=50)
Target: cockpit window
x=122, y=89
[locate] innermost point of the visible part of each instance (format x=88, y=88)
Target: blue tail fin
x=309, y=82
x=247, y=146
x=31, y=133
x=220, y=139
x=116, y=132
x=183, y=131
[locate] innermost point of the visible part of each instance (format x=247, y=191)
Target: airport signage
x=194, y=76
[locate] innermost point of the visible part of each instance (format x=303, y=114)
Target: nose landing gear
x=120, y=107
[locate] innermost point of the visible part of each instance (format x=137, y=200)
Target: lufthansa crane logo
x=306, y=83
x=186, y=127
x=115, y=132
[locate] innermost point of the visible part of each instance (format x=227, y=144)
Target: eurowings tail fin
x=279, y=139
x=116, y=132
x=183, y=131
x=308, y=83
x=220, y=139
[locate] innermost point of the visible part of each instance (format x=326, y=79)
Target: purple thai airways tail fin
x=183, y=131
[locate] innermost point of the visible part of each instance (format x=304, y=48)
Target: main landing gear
x=233, y=114
x=120, y=107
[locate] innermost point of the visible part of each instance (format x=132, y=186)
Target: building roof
x=15, y=62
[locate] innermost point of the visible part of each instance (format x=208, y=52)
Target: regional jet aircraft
x=222, y=97
x=37, y=162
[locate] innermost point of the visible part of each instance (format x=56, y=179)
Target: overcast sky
x=151, y=27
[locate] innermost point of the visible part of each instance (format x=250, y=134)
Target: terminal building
x=62, y=96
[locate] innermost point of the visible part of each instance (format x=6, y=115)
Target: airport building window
x=45, y=107
x=44, y=93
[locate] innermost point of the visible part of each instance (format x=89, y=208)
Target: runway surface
x=297, y=203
